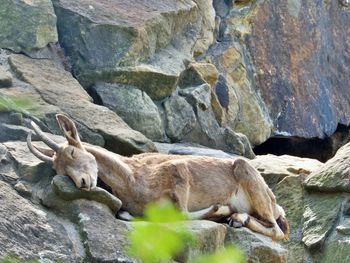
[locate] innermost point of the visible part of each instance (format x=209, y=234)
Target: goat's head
x=71, y=158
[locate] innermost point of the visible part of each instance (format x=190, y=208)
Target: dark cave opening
x=315, y=148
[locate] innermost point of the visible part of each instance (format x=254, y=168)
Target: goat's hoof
x=234, y=223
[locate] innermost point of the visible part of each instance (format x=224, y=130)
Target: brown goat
x=202, y=187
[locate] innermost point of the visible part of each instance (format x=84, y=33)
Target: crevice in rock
x=315, y=148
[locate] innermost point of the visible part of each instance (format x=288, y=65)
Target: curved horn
x=38, y=154
x=54, y=146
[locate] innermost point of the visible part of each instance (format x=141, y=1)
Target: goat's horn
x=36, y=152
x=54, y=146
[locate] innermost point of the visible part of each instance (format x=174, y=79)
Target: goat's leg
x=243, y=219
x=212, y=212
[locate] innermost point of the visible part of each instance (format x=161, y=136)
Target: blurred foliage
x=10, y=259
x=158, y=240
x=226, y=255
x=12, y=103
x=164, y=236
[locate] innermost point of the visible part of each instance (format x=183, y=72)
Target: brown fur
x=204, y=187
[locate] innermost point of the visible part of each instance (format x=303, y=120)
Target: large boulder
x=134, y=106
x=5, y=78
x=257, y=248
x=27, y=25
x=237, y=92
x=275, y=168
x=207, y=131
x=106, y=40
x=57, y=87
x=29, y=232
x=301, y=54
x=334, y=176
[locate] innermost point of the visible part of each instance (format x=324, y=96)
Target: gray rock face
x=31, y=233
x=104, y=244
x=65, y=189
x=134, y=106
x=334, y=176
x=59, y=88
x=5, y=78
x=207, y=130
x=258, y=248
x=27, y=25
x=180, y=118
x=128, y=32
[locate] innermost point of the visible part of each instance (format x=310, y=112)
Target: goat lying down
x=202, y=187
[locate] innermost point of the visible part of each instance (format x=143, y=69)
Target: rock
x=207, y=130
x=337, y=251
x=28, y=232
x=304, y=89
x=5, y=78
x=320, y=215
x=198, y=73
x=134, y=106
x=237, y=92
x=33, y=21
x=7, y=173
x=290, y=195
x=10, y=132
x=275, y=168
x=27, y=166
x=228, y=101
x=180, y=117
x=106, y=238
x=64, y=187
x=334, y=175
x=209, y=237
x=128, y=32
x=157, y=83
x=189, y=149
x=258, y=248
x=59, y=88
x=344, y=228
x=206, y=36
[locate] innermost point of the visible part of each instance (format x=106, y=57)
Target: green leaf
x=226, y=255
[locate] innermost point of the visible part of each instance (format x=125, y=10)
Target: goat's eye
x=72, y=153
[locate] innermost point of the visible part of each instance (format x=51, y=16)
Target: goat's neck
x=112, y=170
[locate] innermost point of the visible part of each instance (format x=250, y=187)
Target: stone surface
x=209, y=237
x=301, y=54
x=103, y=244
x=65, y=188
x=31, y=233
x=258, y=248
x=290, y=195
x=180, y=117
x=337, y=251
x=156, y=82
x=128, y=32
x=320, y=215
x=334, y=176
x=344, y=228
x=190, y=149
x=59, y=88
x=5, y=78
x=27, y=25
x=237, y=92
x=207, y=131
x=274, y=168
x=27, y=166
x=134, y=106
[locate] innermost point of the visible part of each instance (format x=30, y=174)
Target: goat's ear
x=69, y=130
